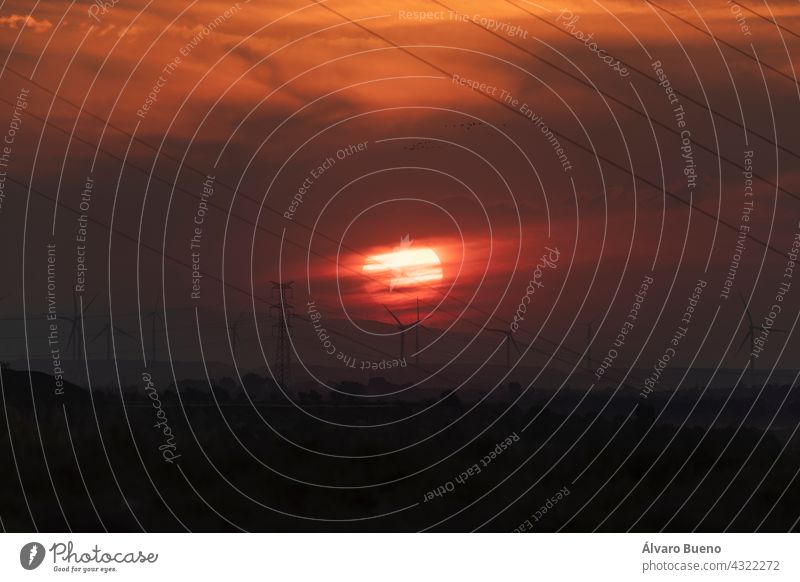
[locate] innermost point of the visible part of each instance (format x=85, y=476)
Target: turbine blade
x=123, y=332
x=400, y=323
x=88, y=305
x=71, y=337
x=744, y=341
x=101, y=332
x=494, y=329
x=746, y=310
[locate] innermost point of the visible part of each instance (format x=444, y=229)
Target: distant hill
x=18, y=387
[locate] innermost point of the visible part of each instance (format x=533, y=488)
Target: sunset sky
x=326, y=132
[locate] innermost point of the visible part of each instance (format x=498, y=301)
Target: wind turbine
x=589, y=344
x=509, y=340
x=3, y=365
x=403, y=327
x=751, y=335
x=108, y=330
x=76, y=332
x=153, y=316
x=233, y=331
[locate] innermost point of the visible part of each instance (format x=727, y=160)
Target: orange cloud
x=16, y=20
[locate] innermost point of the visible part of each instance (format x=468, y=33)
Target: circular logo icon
x=31, y=555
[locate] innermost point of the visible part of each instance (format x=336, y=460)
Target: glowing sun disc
x=418, y=267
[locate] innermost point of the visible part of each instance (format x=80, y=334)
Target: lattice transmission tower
x=282, y=312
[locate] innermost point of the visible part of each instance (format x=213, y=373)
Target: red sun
x=406, y=267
